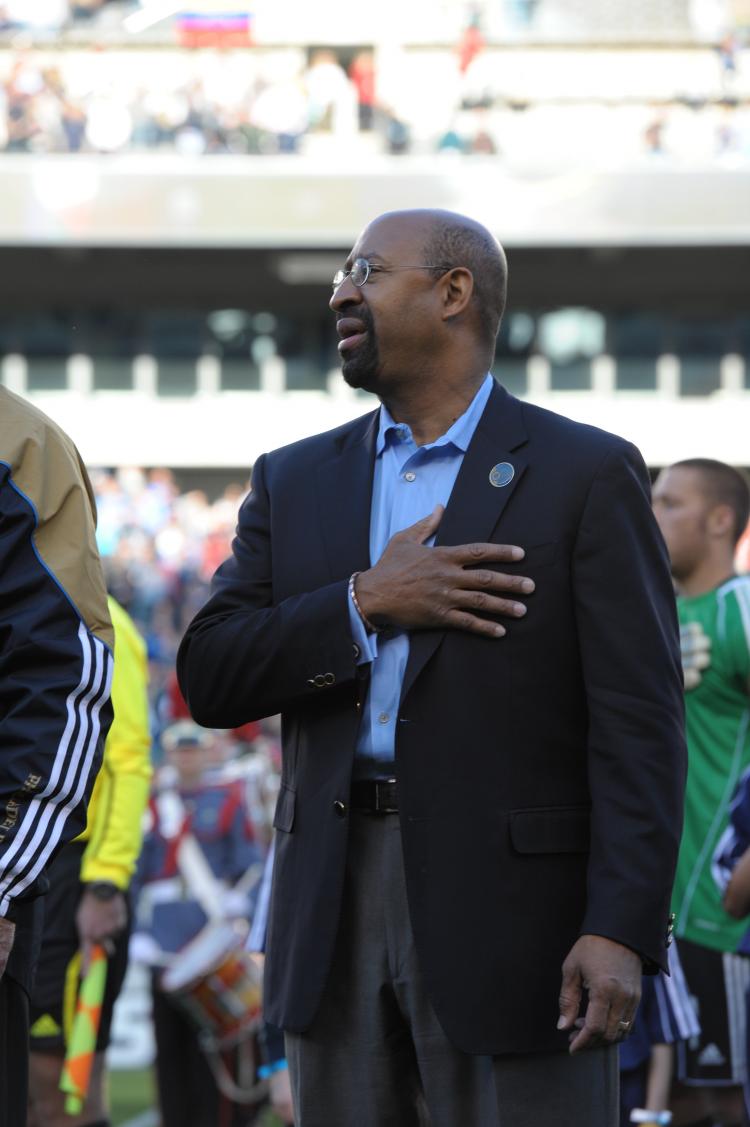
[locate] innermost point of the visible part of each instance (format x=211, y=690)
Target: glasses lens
x=338, y=278
x=360, y=271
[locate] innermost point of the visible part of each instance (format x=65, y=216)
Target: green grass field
x=132, y=1093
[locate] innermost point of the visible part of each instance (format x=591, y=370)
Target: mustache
x=357, y=314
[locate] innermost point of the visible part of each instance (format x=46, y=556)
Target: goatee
x=362, y=368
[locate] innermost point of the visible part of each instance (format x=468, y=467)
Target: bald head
x=448, y=240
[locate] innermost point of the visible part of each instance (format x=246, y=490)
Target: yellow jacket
x=115, y=813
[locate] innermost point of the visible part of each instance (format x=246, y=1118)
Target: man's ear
x=721, y=521
x=457, y=287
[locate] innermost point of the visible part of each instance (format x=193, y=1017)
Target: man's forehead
x=679, y=479
x=389, y=234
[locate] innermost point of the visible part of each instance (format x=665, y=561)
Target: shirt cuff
x=366, y=644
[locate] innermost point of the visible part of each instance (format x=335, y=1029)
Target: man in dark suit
x=462, y=608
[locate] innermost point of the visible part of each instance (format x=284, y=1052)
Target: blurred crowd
x=160, y=548
x=288, y=102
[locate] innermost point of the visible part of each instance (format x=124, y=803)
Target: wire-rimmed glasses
x=361, y=270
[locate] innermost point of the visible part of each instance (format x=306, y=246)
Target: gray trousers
x=376, y=1055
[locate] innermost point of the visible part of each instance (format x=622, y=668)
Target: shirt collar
x=459, y=434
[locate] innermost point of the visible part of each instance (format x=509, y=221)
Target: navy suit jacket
x=540, y=775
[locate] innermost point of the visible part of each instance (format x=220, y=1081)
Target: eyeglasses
x=361, y=270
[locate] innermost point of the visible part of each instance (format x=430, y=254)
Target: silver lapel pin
x=501, y=474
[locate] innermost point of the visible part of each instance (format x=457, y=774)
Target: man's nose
x=345, y=294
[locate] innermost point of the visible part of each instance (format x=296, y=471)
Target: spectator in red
x=362, y=75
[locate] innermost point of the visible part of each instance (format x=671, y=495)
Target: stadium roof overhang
x=295, y=203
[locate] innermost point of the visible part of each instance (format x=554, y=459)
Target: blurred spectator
x=452, y=141
x=330, y=95
x=398, y=137
x=471, y=43
x=362, y=74
x=653, y=136
x=727, y=51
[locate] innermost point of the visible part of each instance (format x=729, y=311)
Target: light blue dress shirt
x=409, y=481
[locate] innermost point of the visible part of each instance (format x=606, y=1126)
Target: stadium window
x=305, y=348
x=515, y=342
x=635, y=340
x=175, y=340
x=700, y=345
x=111, y=341
x=113, y=373
x=570, y=338
x=233, y=335
x=46, y=341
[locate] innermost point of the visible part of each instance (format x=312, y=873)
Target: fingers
x=485, y=553
x=462, y=620
x=606, y=1021
x=484, y=603
x=593, y=1028
x=570, y=996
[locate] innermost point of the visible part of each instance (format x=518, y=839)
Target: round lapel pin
x=501, y=474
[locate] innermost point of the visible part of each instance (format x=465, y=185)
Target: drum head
x=203, y=954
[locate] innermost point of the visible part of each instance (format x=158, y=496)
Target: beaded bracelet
x=353, y=596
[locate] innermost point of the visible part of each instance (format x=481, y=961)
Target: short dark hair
x=724, y=485
x=456, y=241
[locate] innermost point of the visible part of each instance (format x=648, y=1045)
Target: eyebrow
x=371, y=258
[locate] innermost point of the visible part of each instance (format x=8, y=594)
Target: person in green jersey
x=702, y=509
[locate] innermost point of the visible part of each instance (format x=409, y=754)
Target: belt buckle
x=384, y=809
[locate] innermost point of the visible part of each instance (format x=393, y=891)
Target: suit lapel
x=475, y=505
x=344, y=493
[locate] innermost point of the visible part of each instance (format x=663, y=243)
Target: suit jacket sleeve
x=629, y=645
x=248, y=653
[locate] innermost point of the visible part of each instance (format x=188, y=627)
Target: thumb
x=570, y=996
x=426, y=527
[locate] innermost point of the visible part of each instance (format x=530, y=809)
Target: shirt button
x=410, y=476
x=383, y=718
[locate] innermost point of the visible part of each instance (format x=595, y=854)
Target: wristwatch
x=102, y=889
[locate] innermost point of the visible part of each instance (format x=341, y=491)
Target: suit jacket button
x=340, y=808
x=329, y=679
x=319, y=680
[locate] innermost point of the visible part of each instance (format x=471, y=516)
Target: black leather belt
x=375, y=796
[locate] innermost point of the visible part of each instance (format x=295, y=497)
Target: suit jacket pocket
x=539, y=555
x=283, y=818
x=550, y=829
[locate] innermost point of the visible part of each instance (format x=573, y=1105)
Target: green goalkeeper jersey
x=715, y=626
